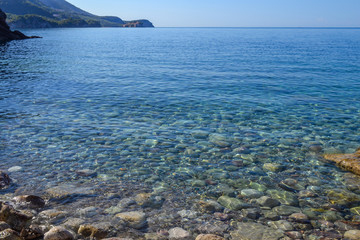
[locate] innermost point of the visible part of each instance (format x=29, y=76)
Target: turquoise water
x=189, y=110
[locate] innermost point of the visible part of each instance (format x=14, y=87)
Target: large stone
x=135, y=219
x=232, y=203
x=342, y=197
x=251, y=193
x=284, y=210
x=96, y=231
x=349, y=162
x=4, y=179
x=178, y=233
x=284, y=197
x=209, y=237
x=32, y=232
x=16, y=219
x=58, y=233
x=266, y=201
x=3, y=226
x=255, y=231
x=9, y=234
x=209, y=206
x=352, y=235
x=219, y=140
x=30, y=201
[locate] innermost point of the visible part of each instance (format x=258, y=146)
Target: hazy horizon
x=231, y=13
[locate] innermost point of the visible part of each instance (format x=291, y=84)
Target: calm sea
x=179, y=109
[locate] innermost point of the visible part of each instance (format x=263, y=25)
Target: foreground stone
x=16, y=219
x=6, y=34
x=349, y=162
x=209, y=237
x=9, y=234
x=255, y=231
x=4, y=177
x=352, y=234
x=30, y=201
x=178, y=233
x=58, y=233
x=134, y=219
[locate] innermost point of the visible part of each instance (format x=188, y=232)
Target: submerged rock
x=4, y=179
x=134, y=219
x=30, y=201
x=16, y=219
x=209, y=237
x=349, y=162
x=178, y=233
x=255, y=231
x=9, y=234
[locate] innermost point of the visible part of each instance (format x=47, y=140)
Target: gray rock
x=135, y=219
x=232, y=203
x=88, y=212
x=266, y=201
x=282, y=225
x=219, y=140
x=273, y=167
x=252, y=213
x=284, y=210
x=251, y=193
x=73, y=224
x=95, y=231
x=209, y=237
x=58, y=233
x=352, y=235
x=209, y=206
x=255, y=231
x=284, y=197
x=178, y=233
x=187, y=214
x=16, y=219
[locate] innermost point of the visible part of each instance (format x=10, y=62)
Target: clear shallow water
x=165, y=107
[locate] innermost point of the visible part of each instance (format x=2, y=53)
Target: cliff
x=6, y=34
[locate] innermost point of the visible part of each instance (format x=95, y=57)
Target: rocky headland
x=5, y=32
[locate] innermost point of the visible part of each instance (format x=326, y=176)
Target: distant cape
x=59, y=13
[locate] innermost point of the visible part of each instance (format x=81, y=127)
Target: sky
x=231, y=13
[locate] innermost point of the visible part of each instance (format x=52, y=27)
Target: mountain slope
x=58, y=13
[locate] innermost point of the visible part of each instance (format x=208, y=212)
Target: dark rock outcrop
x=6, y=34
x=4, y=177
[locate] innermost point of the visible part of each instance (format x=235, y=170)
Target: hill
x=58, y=13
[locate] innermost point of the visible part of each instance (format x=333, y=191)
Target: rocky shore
x=6, y=34
x=71, y=212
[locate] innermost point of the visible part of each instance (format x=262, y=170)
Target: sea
x=91, y=116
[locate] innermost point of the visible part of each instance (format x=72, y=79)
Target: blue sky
x=231, y=13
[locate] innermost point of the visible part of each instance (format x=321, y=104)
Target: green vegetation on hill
x=58, y=13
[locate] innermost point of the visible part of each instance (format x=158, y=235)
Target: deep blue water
x=170, y=105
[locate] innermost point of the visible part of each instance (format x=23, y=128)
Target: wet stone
x=147, y=200
x=88, y=212
x=135, y=219
x=209, y=206
x=179, y=233
x=352, y=235
x=4, y=180
x=209, y=237
x=58, y=233
x=232, y=203
x=16, y=219
x=270, y=215
x=273, y=167
x=15, y=169
x=252, y=213
x=30, y=201
x=73, y=223
x=266, y=201
x=95, y=231
x=331, y=216
x=285, y=210
x=4, y=225
x=284, y=197
x=294, y=235
x=52, y=216
x=9, y=234
x=255, y=231
x=32, y=232
x=213, y=228
x=282, y=224
x=187, y=214
x=251, y=193
x=343, y=226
